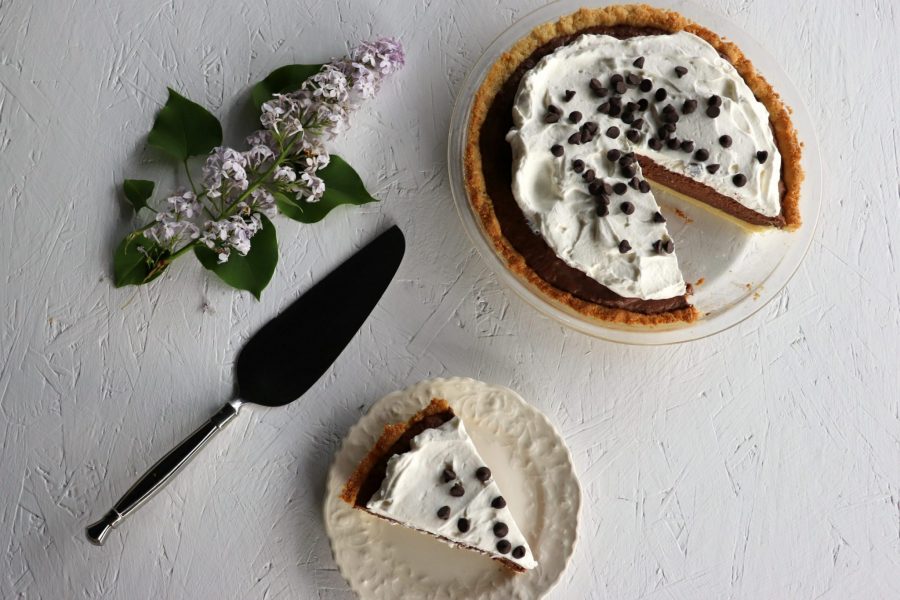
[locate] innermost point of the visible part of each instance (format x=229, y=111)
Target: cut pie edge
x=390, y=435
x=638, y=15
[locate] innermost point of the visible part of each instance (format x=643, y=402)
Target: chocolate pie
x=574, y=123
x=426, y=474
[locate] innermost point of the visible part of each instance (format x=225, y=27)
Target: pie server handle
x=161, y=473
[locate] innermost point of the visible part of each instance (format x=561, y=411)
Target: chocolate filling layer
x=401, y=446
x=497, y=168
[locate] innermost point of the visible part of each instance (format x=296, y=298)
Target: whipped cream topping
x=414, y=490
x=555, y=198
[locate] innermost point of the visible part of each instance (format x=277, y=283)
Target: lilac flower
x=282, y=115
x=233, y=233
x=284, y=174
x=174, y=224
x=259, y=155
x=309, y=188
x=225, y=172
x=330, y=84
x=262, y=201
x=385, y=55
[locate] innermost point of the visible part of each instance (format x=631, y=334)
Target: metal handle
x=161, y=473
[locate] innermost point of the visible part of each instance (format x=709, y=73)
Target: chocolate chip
x=669, y=246
x=632, y=79
x=500, y=529
x=602, y=210
x=557, y=150
x=574, y=116
x=612, y=132
x=628, y=171
x=620, y=188
x=670, y=127
x=628, y=118
x=634, y=183
x=714, y=100
x=607, y=188
x=687, y=146
x=638, y=123
x=689, y=106
x=701, y=154
x=615, y=101
x=591, y=126
x=739, y=180
x=613, y=155
x=589, y=175
x=463, y=525
x=680, y=71
x=443, y=512
x=643, y=104
x=639, y=62
x=482, y=474
x=503, y=546
x=615, y=109
x=554, y=109
x=518, y=552
x=457, y=490
x=633, y=135
x=578, y=165
x=603, y=199
x=598, y=88
x=712, y=111
x=498, y=502
x=624, y=247
x=619, y=87
x=643, y=186
x=448, y=475
x=603, y=108
x=673, y=143
x=646, y=85
x=660, y=94
x=627, y=159
x=575, y=138
x=569, y=95
x=658, y=217
x=669, y=116
x=762, y=156
x=627, y=208
x=596, y=188
x=616, y=78
x=725, y=141
x=711, y=169
x=551, y=118
x=654, y=144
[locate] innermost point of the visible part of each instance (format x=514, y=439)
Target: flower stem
x=190, y=179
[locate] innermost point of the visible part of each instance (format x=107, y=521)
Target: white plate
x=531, y=464
x=741, y=271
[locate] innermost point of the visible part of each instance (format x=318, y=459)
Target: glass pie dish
x=735, y=271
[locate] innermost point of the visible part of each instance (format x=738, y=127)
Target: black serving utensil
x=283, y=359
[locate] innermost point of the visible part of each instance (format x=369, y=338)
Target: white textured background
x=761, y=463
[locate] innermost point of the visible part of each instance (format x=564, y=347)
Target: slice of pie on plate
x=574, y=122
x=426, y=474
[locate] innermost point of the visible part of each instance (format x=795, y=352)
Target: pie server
x=283, y=359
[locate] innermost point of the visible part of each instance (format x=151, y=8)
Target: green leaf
x=251, y=272
x=282, y=80
x=342, y=186
x=184, y=128
x=138, y=260
x=138, y=191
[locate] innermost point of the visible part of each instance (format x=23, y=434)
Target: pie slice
x=426, y=474
x=577, y=119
